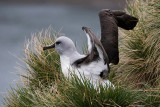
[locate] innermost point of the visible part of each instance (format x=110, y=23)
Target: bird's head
x=63, y=46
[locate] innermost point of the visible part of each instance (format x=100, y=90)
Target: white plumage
x=74, y=63
x=90, y=71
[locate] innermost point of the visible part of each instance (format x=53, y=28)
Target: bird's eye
x=57, y=43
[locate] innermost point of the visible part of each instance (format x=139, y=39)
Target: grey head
x=63, y=46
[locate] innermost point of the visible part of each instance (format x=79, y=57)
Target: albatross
x=94, y=65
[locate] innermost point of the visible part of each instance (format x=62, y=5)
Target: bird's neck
x=71, y=57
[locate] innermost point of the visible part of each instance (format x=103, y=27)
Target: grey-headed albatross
x=95, y=64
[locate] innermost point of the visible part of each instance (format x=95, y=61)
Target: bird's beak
x=49, y=47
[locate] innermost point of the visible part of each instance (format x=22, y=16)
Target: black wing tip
x=84, y=28
x=128, y=22
x=103, y=11
x=124, y=20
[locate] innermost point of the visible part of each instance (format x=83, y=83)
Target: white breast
x=65, y=65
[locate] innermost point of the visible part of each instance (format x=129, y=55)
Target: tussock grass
x=73, y=93
x=45, y=86
x=140, y=49
x=43, y=67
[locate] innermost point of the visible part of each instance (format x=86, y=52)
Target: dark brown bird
x=110, y=20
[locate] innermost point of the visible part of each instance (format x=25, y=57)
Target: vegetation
x=140, y=49
x=136, y=78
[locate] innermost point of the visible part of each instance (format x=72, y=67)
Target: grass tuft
x=136, y=78
x=140, y=49
x=43, y=67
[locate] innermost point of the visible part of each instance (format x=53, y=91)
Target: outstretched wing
x=95, y=47
x=109, y=35
x=95, y=52
x=110, y=20
x=124, y=20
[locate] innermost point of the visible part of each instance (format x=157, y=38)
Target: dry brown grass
x=140, y=49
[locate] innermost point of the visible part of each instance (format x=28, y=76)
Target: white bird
x=91, y=65
x=95, y=64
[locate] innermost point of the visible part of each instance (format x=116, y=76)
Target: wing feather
x=110, y=20
x=89, y=43
x=96, y=46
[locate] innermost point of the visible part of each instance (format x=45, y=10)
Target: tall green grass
x=44, y=85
